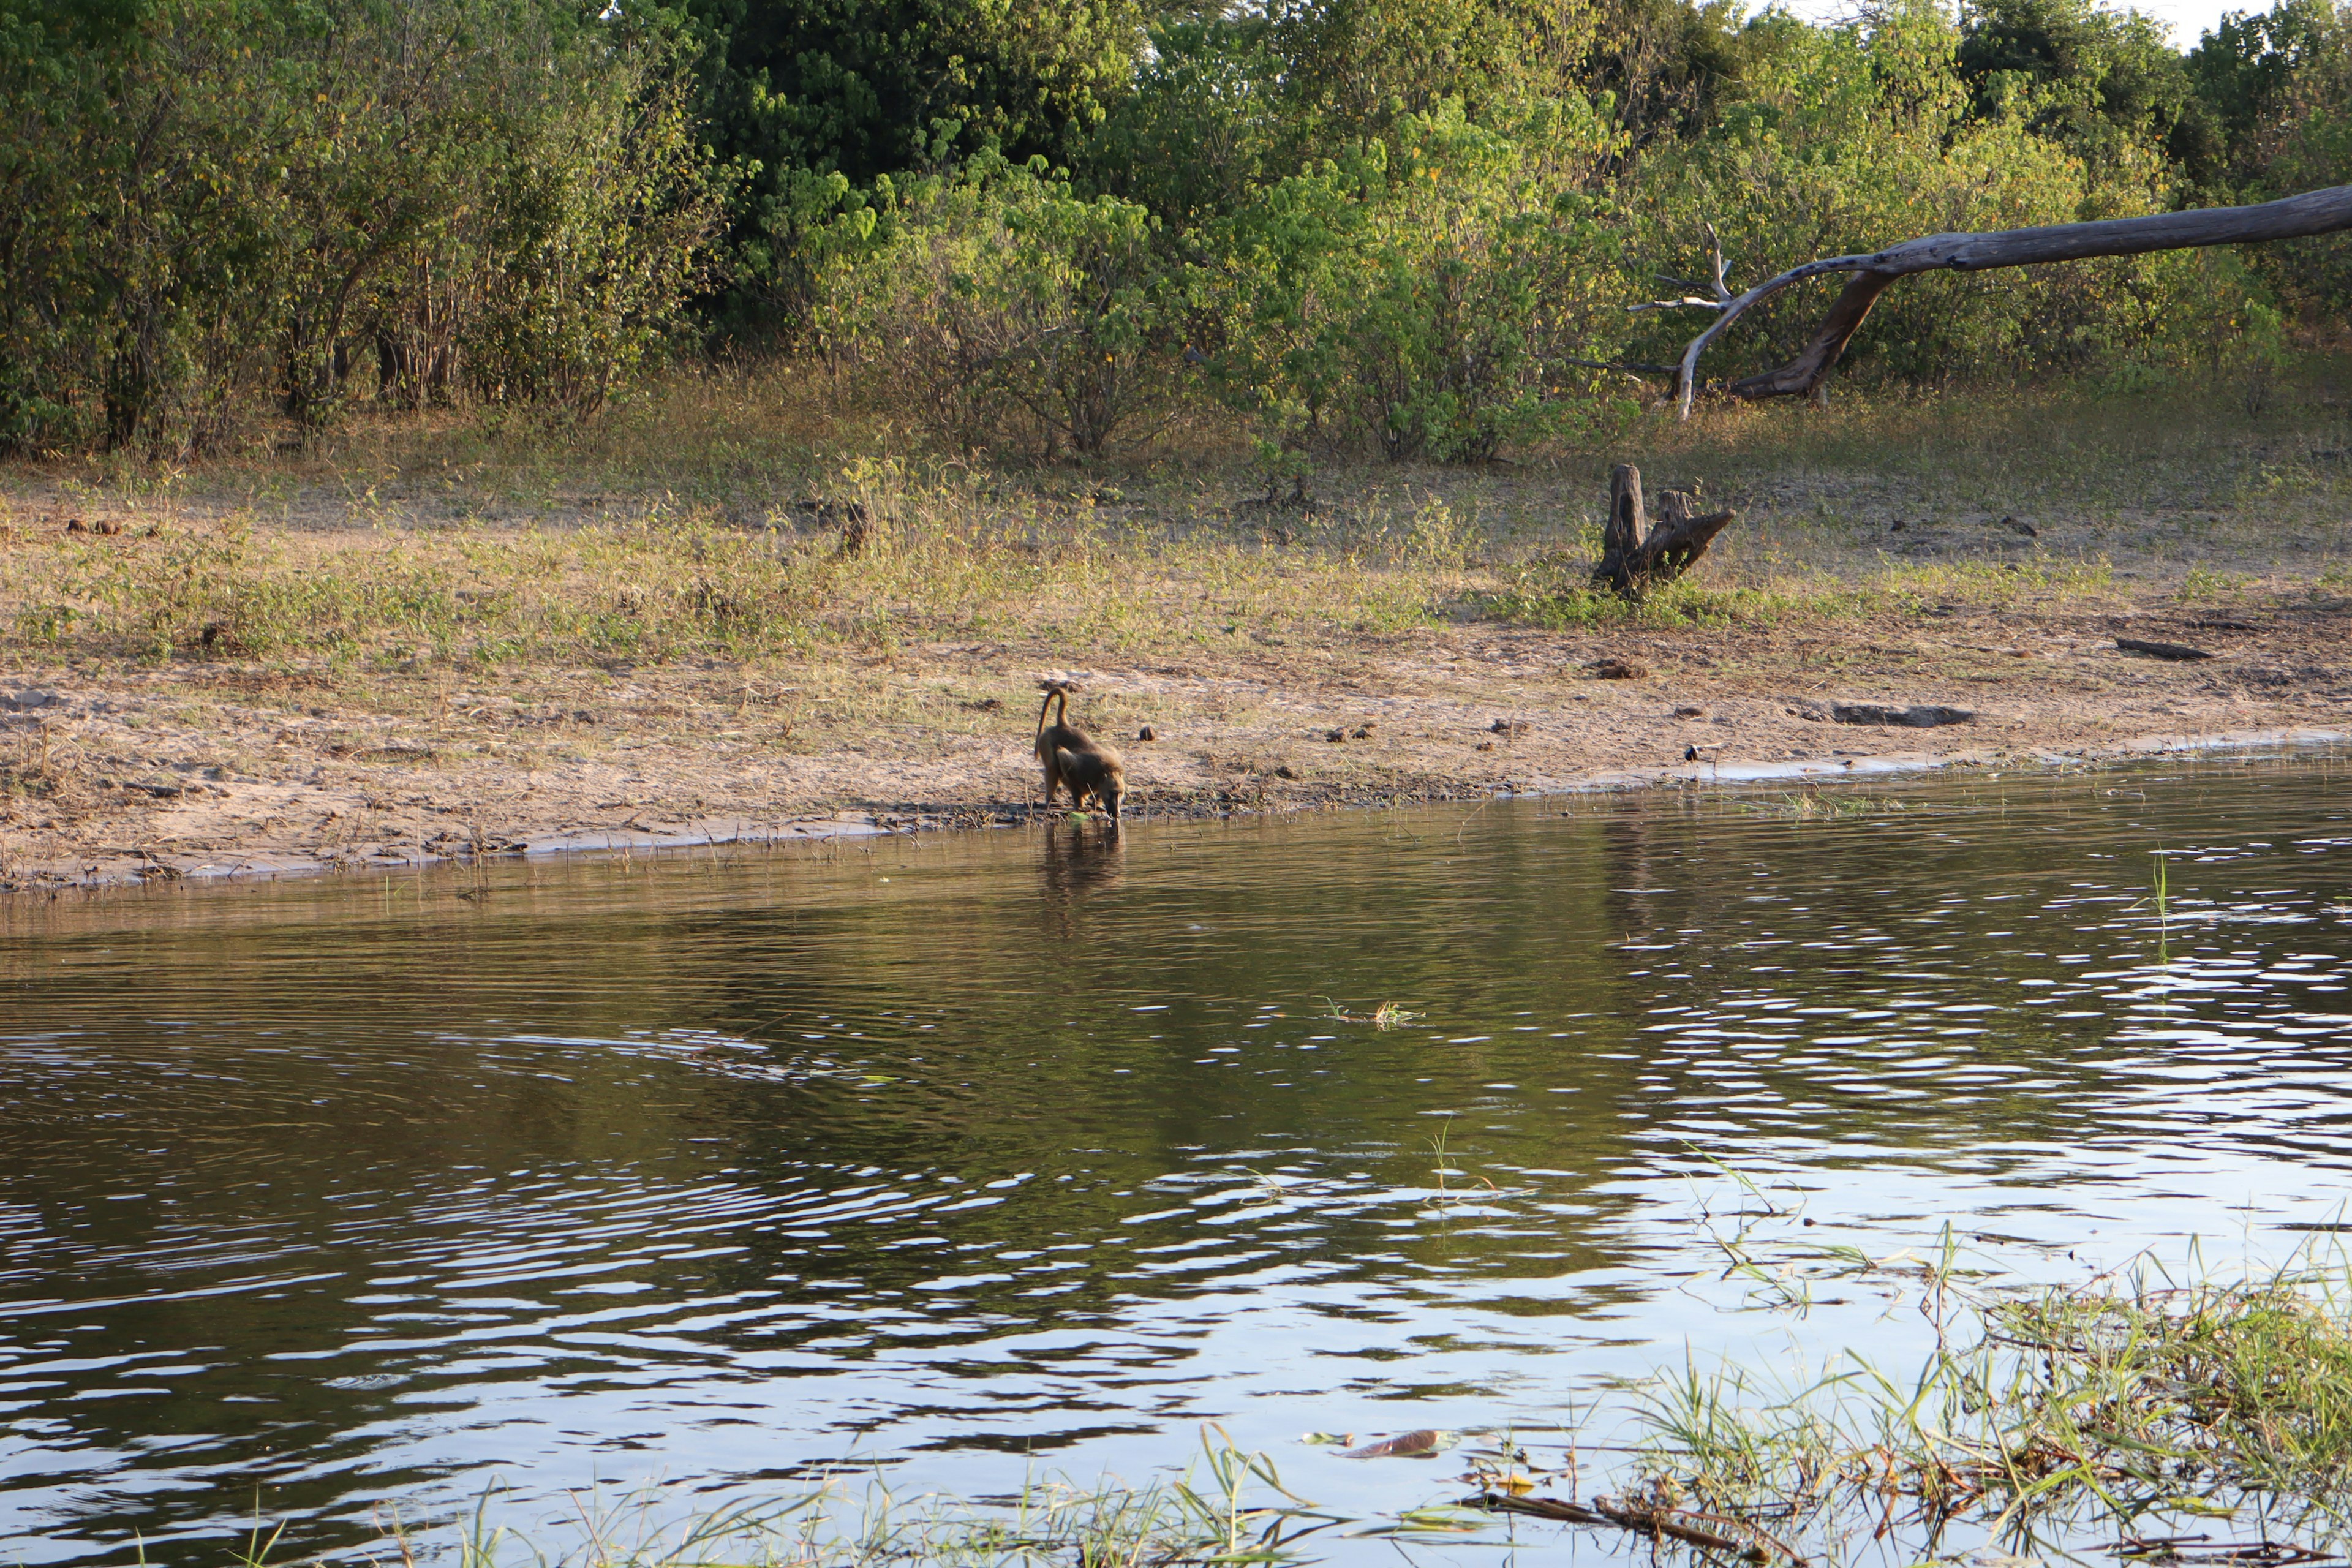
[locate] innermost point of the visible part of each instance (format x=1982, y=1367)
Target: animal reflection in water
x=1072, y=759
x=1080, y=858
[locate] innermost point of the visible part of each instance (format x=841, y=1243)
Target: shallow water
x=973, y=1156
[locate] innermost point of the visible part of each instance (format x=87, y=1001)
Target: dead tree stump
x=1635, y=557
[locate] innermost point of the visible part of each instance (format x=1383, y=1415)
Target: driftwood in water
x=1635, y=556
x=1654, y=1523
x=2291, y=217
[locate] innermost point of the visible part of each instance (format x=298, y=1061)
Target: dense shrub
x=202, y=197
x=1001, y=306
x=2280, y=87
x=1437, y=283
x=1426, y=293
x=798, y=92
x=1410, y=226
x=1848, y=138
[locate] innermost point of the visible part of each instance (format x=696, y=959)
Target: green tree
x=1203, y=127
x=1668, y=66
x=1354, y=67
x=2278, y=88
x=2105, y=81
x=2256, y=71
x=1844, y=139
x=816, y=99
x=201, y=199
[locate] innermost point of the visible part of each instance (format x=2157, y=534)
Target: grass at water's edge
x=2117, y=1412
x=2140, y=1417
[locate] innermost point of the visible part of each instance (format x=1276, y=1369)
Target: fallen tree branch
x=1652, y=1523
x=2313, y=213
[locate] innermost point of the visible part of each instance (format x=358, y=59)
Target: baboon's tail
x=1052, y=689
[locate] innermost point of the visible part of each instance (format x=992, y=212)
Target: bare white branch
x=1687, y=302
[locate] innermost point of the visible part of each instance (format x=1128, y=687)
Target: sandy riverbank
x=199, y=769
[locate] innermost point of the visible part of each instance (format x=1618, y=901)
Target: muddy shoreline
x=267, y=864
x=194, y=771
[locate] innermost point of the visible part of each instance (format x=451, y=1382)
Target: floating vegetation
x=2117, y=1412
x=1812, y=804
x=1387, y=1015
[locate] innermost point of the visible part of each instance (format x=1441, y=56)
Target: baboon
x=1069, y=756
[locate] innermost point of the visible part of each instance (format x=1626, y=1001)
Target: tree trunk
x=1634, y=557
x=2291, y=217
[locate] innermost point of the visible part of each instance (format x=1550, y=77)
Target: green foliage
x=2252, y=73
x=1003, y=307
x=2279, y=88
x=1845, y=138
x=1668, y=67
x=1202, y=127
x=1356, y=67
x=877, y=87
x=202, y=197
x=1415, y=231
x=1405, y=225
x=2107, y=82
x=812, y=99
x=1558, y=594
x=1427, y=292
x=590, y=243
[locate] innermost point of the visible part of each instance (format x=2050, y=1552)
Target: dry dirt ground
x=198, y=769
x=1996, y=548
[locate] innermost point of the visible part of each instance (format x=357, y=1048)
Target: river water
x=969, y=1157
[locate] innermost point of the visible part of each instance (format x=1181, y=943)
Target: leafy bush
x=200, y=196
x=1853, y=137
x=2286, y=81
x=1004, y=307
x=1430, y=297
x=1405, y=225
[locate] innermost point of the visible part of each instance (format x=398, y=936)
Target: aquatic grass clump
x=1229, y=1507
x=2195, y=1394
x=2119, y=1412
